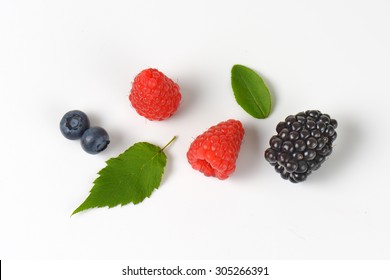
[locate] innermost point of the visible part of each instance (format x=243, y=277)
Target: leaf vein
x=252, y=94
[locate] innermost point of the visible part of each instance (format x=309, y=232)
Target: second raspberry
x=154, y=95
x=214, y=153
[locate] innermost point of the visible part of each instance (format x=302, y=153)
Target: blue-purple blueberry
x=73, y=124
x=94, y=140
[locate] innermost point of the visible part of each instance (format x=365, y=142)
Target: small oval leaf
x=250, y=91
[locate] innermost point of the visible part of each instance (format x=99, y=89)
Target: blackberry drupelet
x=302, y=144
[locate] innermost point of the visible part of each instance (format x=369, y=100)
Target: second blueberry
x=95, y=140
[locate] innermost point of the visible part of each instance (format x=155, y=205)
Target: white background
x=56, y=56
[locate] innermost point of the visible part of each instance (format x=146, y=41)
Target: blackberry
x=301, y=145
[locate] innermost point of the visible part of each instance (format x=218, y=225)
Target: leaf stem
x=174, y=137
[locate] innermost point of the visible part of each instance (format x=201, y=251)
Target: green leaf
x=250, y=92
x=130, y=177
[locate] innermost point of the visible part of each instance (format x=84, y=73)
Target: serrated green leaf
x=250, y=91
x=129, y=178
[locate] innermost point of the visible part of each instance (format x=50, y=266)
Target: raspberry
x=215, y=152
x=303, y=142
x=154, y=96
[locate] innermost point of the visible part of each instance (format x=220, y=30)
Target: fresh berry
x=73, y=124
x=94, y=140
x=154, y=96
x=302, y=144
x=215, y=152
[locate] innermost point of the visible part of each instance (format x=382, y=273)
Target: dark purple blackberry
x=301, y=145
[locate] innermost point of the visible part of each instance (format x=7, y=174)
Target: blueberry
x=94, y=140
x=73, y=124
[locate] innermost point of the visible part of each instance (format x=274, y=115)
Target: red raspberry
x=215, y=152
x=154, y=96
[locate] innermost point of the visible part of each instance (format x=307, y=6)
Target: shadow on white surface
x=250, y=153
x=95, y=119
x=168, y=170
x=190, y=91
